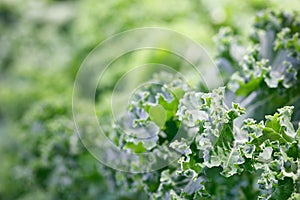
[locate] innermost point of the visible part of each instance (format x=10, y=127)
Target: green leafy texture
x=268, y=71
x=152, y=111
x=219, y=154
x=216, y=135
x=253, y=71
x=276, y=153
x=43, y=159
x=229, y=52
x=226, y=160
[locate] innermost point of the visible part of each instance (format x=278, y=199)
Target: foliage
x=42, y=46
x=221, y=158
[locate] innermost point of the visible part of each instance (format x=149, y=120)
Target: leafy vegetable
x=239, y=141
x=227, y=152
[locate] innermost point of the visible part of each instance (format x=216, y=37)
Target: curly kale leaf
x=216, y=139
x=222, y=152
x=276, y=153
x=269, y=69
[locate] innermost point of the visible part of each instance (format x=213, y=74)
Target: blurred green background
x=42, y=45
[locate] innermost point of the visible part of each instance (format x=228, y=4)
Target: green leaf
x=158, y=115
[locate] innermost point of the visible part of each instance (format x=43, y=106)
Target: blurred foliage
x=42, y=44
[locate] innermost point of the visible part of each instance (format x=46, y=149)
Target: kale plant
x=239, y=141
